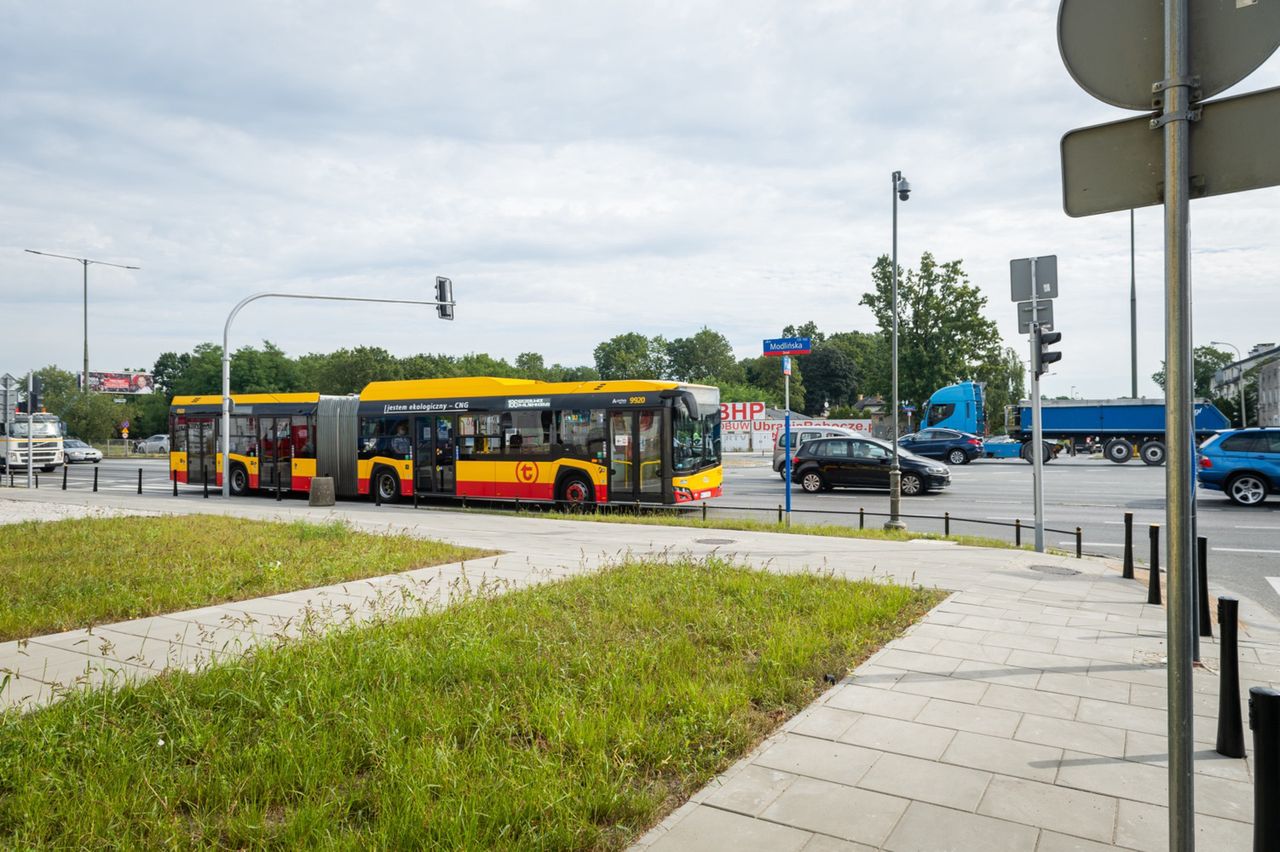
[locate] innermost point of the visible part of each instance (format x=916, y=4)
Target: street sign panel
x=787, y=346
x=1120, y=165
x=1115, y=50
x=1046, y=269
x=1026, y=317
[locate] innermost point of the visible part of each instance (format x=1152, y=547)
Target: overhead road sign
x=1120, y=165
x=1045, y=274
x=780, y=346
x=1115, y=48
x=1029, y=312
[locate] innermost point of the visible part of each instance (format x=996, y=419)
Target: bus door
x=201, y=451
x=275, y=453
x=635, y=455
x=434, y=454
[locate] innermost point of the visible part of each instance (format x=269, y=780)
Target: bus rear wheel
x=575, y=493
x=386, y=486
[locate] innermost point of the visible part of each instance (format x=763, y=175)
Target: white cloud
x=579, y=169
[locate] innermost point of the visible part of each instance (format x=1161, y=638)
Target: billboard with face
x=120, y=382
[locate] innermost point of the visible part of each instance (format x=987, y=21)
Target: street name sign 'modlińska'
x=780, y=346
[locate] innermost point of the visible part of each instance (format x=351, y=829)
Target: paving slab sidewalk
x=1025, y=712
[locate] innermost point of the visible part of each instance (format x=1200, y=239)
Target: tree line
x=944, y=336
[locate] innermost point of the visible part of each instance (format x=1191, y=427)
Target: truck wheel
x=1046, y=453
x=1118, y=450
x=1153, y=453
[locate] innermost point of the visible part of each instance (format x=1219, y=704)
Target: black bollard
x=64, y=477
x=1264, y=721
x=1153, y=581
x=95, y=480
x=946, y=523
x=37, y=480
x=205, y=476
x=1128, y=546
x=779, y=513
x=862, y=519
x=139, y=480
x=1202, y=575
x=173, y=474
x=1079, y=544
x=1230, y=729
x=278, y=493
x=1017, y=532
x=704, y=510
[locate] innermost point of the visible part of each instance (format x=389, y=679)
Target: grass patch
x=570, y=715
x=748, y=525
x=63, y=575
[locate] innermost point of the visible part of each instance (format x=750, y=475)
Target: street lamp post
x=84, y=262
x=901, y=190
x=226, y=358
x=1240, y=381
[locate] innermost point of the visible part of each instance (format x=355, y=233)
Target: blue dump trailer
x=1122, y=426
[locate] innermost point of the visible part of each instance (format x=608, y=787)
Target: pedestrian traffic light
x=1042, y=356
x=37, y=393
x=444, y=298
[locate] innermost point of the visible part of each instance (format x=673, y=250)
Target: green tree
x=943, y=335
x=830, y=378
x=632, y=356
x=1206, y=361
x=348, y=370
x=1006, y=384
x=765, y=373
x=706, y=357
x=531, y=365
x=93, y=416
x=59, y=386
x=429, y=367
x=168, y=371
x=808, y=329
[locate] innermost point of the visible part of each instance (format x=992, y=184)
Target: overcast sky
x=580, y=169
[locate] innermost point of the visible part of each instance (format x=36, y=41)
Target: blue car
x=1242, y=463
x=945, y=444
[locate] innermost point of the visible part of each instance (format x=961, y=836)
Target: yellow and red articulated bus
x=483, y=437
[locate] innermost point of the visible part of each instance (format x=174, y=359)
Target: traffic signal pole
x=1179, y=399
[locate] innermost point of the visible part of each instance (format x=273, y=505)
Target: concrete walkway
x=1024, y=713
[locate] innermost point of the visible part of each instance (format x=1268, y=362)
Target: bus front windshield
x=697, y=439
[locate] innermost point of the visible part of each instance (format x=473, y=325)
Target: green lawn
x=570, y=715
x=67, y=574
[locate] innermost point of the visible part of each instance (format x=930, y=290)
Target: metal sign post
x=31, y=435
x=785, y=347
x=786, y=426
x=1116, y=53
x=1033, y=285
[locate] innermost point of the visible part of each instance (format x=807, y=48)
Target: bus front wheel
x=239, y=481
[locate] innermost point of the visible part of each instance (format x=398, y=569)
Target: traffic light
x=37, y=393
x=444, y=298
x=1042, y=356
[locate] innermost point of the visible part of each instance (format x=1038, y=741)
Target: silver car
x=799, y=435
x=76, y=450
x=154, y=444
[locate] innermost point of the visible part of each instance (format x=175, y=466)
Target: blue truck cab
x=960, y=407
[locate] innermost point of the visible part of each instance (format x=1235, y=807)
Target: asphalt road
x=1093, y=494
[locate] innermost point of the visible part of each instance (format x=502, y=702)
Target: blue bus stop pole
x=786, y=426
